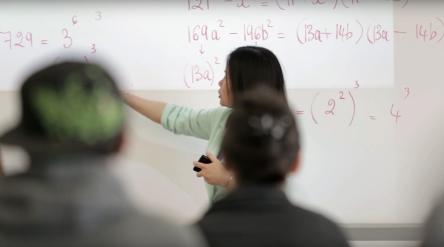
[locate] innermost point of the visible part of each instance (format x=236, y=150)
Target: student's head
x=261, y=142
x=248, y=67
x=69, y=107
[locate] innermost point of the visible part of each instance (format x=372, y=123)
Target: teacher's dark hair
x=261, y=139
x=251, y=66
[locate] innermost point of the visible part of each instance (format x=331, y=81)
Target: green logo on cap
x=88, y=115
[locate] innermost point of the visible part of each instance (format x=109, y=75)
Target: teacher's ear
x=294, y=168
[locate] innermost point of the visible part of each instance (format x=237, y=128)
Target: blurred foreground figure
x=72, y=125
x=260, y=147
x=1, y=163
x=434, y=227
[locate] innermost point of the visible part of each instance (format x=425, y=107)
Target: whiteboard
x=367, y=99
x=184, y=44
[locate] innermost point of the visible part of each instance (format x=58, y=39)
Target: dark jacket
x=78, y=203
x=263, y=216
x=434, y=227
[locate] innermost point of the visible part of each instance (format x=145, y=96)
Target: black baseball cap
x=69, y=107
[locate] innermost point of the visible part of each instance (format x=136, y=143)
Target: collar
x=254, y=195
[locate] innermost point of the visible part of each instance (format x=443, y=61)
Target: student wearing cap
x=261, y=147
x=72, y=125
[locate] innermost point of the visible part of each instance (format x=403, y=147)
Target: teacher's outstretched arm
x=149, y=108
x=247, y=68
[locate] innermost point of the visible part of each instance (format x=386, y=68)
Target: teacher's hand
x=214, y=173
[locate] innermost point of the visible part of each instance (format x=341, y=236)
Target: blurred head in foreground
x=261, y=142
x=69, y=107
x=261, y=147
x=72, y=121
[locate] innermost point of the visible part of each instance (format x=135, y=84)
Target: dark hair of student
x=261, y=141
x=250, y=66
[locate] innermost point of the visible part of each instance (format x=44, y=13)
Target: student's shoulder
x=326, y=230
x=18, y=178
x=155, y=231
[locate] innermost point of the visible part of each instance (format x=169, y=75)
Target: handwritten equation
x=202, y=40
x=304, y=32
x=207, y=5
x=343, y=105
x=431, y=31
x=13, y=40
x=428, y=32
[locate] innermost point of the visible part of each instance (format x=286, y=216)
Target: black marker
x=203, y=159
